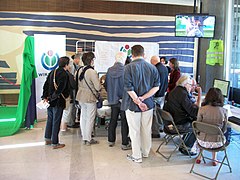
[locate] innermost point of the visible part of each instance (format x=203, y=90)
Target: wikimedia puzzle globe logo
x=126, y=49
x=49, y=60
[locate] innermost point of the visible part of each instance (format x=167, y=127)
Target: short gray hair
x=121, y=57
x=78, y=56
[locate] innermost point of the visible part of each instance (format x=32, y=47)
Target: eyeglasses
x=193, y=85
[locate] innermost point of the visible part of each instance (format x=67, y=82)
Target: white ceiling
x=175, y=2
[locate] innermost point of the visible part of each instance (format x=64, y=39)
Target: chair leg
x=201, y=153
x=184, y=145
x=220, y=167
x=166, y=138
x=222, y=163
x=228, y=164
x=167, y=157
x=193, y=166
x=172, y=153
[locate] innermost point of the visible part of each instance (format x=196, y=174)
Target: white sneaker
x=131, y=158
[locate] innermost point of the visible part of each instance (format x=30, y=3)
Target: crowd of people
x=133, y=88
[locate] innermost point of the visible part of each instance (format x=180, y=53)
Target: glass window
x=235, y=62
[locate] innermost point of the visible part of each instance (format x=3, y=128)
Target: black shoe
x=155, y=135
x=73, y=126
x=183, y=151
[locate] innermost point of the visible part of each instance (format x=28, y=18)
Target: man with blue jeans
x=141, y=81
x=55, y=91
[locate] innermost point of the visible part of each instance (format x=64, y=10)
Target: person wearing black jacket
x=55, y=91
x=183, y=110
x=160, y=95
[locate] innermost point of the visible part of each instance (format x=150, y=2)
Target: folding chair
x=208, y=129
x=170, y=135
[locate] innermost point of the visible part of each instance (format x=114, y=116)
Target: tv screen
x=222, y=85
x=195, y=25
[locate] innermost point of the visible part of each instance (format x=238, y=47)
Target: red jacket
x=174, y=76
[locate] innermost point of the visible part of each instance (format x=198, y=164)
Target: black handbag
x=99, y=102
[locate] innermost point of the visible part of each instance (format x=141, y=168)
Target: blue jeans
x=53, y=124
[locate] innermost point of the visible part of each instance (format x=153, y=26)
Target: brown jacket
x=214, y=115
x=84, y=94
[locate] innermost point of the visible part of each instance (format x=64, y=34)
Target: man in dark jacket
x=159, y=96
x=114, y=86
x=183, y=110
x=55, y=91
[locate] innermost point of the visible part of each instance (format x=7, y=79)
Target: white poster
x=105, y=52
x=48, y=49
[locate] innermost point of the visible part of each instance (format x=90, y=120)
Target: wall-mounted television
x=195, y=25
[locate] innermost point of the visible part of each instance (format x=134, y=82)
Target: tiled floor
x=96, y=162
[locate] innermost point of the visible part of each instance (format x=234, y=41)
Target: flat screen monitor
x=222, y=85
x=234, y=95
x=195, y=25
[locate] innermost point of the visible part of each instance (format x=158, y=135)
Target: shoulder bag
x=98, y=97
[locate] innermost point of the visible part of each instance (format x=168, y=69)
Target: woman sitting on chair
x=212, y=112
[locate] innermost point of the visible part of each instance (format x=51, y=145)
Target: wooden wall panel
x=94, y=6
x=8, y=99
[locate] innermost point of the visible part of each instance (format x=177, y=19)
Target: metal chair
x=170, y=135
x=210, y=130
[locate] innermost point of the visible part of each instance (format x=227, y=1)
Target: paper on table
x=42, y=104
x=228, y=108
